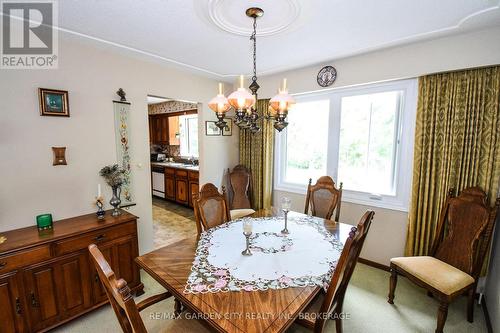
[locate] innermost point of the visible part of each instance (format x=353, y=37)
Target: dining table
x=269, y=310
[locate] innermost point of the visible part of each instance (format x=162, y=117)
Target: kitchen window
x=362, y=137
x=188, y=132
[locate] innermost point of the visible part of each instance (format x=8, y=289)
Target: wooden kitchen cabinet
x=193, y=188
x=173, y=131
x=181, y=192
x=47, y=280
x=158, y=129
x=180, y=184
x=170, y=187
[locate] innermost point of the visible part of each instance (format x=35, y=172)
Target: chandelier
x=244, y=103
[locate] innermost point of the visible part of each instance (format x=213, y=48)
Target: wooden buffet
x=47, y=280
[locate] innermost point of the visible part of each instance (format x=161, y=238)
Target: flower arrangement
x=113, y=175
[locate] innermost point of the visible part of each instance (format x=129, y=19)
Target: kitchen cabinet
x=180, y=184
x=173, y=131
x=181, y=192
x=158, y=129
x=170, y=187
x=45, y=281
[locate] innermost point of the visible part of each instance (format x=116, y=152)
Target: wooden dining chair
x=461, y=243
x=239, y=183
x=323, y=198
x=210, y=207
x=329, y=305
x=120, y=297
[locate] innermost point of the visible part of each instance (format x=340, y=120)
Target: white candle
x=98, y=190
x=247, y=227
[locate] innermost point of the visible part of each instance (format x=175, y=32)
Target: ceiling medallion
x=244, y=103
x=223, y=13
x=326, y=76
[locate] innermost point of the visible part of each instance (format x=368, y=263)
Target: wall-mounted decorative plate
x=327, y=76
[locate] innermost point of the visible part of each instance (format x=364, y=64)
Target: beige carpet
x=365, y=304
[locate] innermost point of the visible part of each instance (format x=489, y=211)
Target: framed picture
x=53, y=102
x=211, y=129
x=228, y=130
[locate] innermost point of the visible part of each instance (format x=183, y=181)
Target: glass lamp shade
x=219, y=104
x=241, y=99
x=281, y=102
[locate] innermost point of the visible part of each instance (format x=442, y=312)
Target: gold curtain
x=457, y=145
x=256, y=153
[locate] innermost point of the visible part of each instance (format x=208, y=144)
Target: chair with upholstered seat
x=329, y=305
x=323, y=198
x=120, y=297
x=239, y=182
x=210, y=207
x=462, y=240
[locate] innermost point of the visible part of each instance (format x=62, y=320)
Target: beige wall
x=388, y=233
x=91, y=73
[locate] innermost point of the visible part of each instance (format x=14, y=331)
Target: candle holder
x=286, y=204
x=99, y=202
x=247, y=251
x=285, y=230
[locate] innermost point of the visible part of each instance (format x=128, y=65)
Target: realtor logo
x=29, y=39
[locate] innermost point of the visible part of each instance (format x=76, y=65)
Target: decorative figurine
x=122, y=94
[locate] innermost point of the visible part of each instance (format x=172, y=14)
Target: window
x=368, y=142
x=188, y=132
x=356, y=136
x=307, y=122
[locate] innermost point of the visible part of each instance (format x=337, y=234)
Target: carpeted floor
x=365, y=304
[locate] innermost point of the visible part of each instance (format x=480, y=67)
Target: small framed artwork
x=53, y=102
x=211, y=129
x=228, y=130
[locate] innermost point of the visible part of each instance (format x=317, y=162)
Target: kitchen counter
x=176, y=165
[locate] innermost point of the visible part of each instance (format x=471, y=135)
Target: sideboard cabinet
x=48, y=279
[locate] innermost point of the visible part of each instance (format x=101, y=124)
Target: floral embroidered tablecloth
x=307, y=256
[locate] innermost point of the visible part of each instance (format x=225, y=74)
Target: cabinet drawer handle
x=96, y=277
x=100, y=238
x=18, y=306
x=34, y=302
x=2, y=264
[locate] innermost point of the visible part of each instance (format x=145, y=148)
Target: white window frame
x=404, y=144
x=186, y=140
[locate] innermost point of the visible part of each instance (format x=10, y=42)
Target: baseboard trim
x=374, y=264
x=486, y=315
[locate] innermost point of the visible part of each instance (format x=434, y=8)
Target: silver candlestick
x=247, y=251
x=285, y=231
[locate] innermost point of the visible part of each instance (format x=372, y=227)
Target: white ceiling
x=206, y=35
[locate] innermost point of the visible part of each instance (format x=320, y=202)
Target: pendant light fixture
x=244, y=102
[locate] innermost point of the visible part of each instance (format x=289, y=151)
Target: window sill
x=347, y=197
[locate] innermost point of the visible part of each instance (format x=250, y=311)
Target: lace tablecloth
x=307, y=256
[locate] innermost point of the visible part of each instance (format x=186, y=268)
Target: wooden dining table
x=272, y=310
